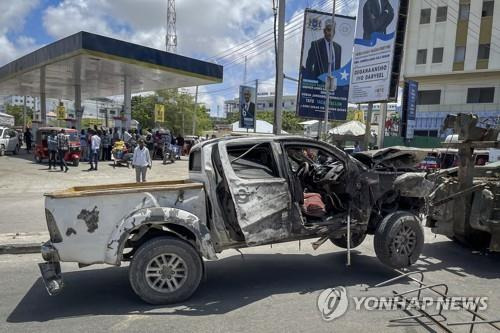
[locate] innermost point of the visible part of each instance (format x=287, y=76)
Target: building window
x=437, y=55
x=442, y=13
x=425, y=16
x=429, y=97
x=463, y=12
x=459, y=54
x=483, y=52
x=480, y=95
x=488, y=8
x=421, y=57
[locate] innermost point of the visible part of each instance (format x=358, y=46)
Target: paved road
x=265, y=290
x=23, y=182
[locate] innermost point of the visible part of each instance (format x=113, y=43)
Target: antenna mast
x=171, y=38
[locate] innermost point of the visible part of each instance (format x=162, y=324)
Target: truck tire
x=399, y=239
x=165, y=270
x=76, y=162
x=356, y=239
x=2, y=150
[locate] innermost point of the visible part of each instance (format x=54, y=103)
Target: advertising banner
x=159, y=113
x=248, y=100
x=373, y=56
x=409, y=108
x=316, y=51
x=61, y=112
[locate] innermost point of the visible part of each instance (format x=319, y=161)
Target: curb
x=20, y=248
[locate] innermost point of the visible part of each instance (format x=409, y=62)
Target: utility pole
x=171, y=38
x=256, y=105
x=195, y=110
x=24, y=113
x=245, y=72
x=366, y=143
x=330, y=85
x=278, y=94
x=381, y=128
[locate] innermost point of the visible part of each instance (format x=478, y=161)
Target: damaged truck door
x=261, y=196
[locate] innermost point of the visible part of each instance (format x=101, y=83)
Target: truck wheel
x=356, y=239
x=76, y=162
x=2, y=150
x=165, y=270
x=399, y=239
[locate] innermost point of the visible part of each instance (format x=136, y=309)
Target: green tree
x=179, y=112
x=17, y=112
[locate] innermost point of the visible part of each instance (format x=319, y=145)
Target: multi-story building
x=452, y=50
x=31, y=102
x=265, y=102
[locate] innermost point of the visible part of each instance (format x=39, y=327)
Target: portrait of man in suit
x=377, y=15
x=321, y=50
x=247, y=109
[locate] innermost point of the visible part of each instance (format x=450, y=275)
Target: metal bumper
x=51, y=269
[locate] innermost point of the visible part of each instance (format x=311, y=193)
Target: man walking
x=52, y=147
x=141, y=161
x=95, y=144
x=28, y=138
x=62, y=148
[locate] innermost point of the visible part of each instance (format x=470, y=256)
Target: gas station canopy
x=99, y=66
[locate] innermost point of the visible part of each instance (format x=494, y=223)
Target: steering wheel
x=303, y=170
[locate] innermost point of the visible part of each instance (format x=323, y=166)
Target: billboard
x=409, y=108
x=316, y=50
x=248, y=100
x=159, y=113
x=376, y=58
x=61, y=112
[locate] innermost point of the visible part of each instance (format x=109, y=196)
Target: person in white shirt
x=95, y=145
x=141, y=161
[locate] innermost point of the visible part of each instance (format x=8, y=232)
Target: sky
x=206, y=29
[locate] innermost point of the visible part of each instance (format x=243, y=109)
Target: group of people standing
x=58, y=146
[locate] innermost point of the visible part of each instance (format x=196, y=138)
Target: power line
x=266, y=33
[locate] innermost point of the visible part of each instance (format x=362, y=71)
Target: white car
x=9, y=141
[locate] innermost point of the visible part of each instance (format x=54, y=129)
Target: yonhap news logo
x=334, y=302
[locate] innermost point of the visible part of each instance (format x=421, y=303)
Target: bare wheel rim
x=405, y=241
x=166, y=273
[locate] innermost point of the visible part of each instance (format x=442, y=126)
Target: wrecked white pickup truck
x=241, y=192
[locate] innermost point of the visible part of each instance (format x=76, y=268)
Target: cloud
x=12, y=19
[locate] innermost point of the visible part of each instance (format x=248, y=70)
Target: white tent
x=351, y=128
x=263, y=127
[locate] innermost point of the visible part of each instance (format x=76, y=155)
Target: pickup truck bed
x=87, y=228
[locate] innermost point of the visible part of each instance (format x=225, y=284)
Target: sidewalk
x=19, y=243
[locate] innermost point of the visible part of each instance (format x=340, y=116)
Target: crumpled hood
x=398, y=157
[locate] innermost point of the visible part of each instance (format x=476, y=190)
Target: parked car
x=9, y=141
x=241, y=192
x=429, y=163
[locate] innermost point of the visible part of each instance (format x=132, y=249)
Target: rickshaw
x=41, y=151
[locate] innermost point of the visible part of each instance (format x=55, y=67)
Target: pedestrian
x=28, y=138
x=141, y=161
x=52, y=148
x=116, y=135
x=180, y=143
x=106, y=146
x=62, y=148
x=94, y=147
x=168, y=152
x=84, y=145
x=357, y=148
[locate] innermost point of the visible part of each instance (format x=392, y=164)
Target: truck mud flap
x=52, y=277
